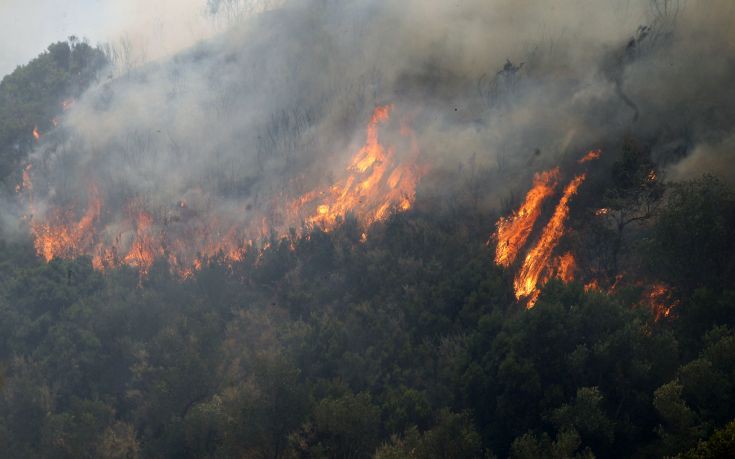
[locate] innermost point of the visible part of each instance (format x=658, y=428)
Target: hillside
x=357, y=230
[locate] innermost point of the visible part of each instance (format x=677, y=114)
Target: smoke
x=229, y=132
x=716, y=159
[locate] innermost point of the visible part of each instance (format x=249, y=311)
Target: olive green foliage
x=33, y=94
x=408, y=344
x=719, y=444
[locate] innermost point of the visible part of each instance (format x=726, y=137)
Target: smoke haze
x=230, y=132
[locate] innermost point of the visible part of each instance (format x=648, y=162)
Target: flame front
x=660, y=300
x=64, y=237
x=513, y=232
x=526, y=282
x=374, y=182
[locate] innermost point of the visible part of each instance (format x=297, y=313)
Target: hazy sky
x=27, y=27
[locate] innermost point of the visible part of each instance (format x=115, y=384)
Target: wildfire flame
x=592, y=286
x=513, y=232
x=539, y=264
x=527, y=280
x=374, y=182
x=565, y=266
x=590, y=156
x=660, y=299
x=36, y=134
x=64, y=237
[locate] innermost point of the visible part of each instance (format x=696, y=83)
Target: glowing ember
x=660, y=300
x=36, y=134
x=26, y=184
x=513, y=232
x=527, y=280
x=591, y=285
x=565, y=266
x=590, y=156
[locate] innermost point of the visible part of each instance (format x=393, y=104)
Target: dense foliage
x=407, y=344
x=32, y=95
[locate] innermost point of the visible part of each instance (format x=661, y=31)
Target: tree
x=453, y=436
x=719, y=444
x=347, y=427
x=691, y=245
x=633, y=196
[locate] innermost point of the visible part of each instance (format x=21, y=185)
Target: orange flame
x=527, y=280
x=145, y=248
x=592, y=286
x=512, y=232
x=36, y=134
x=187, y=235
x=660, y=300
x=375, y=182
x=64, y=237
x=590, y=156
x=565, y=266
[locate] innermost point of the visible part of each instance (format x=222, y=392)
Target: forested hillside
x=560, y=300
x=409, y=344
x=33, y=96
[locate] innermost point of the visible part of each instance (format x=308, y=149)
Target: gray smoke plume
x=226, y=132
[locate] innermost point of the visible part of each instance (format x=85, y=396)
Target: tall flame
x=512, y=232
x=374, y=182
x=527, y=280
